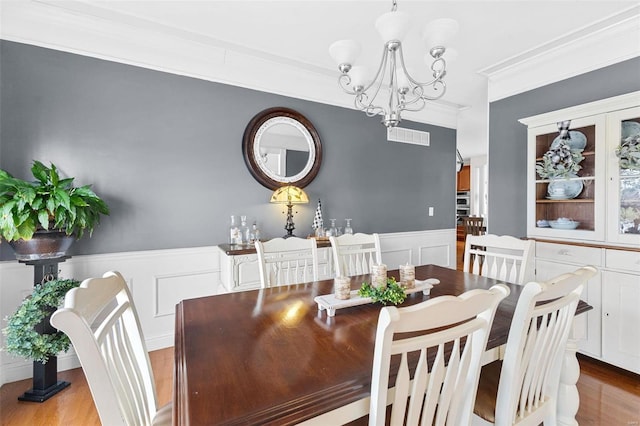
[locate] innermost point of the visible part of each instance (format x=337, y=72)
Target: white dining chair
x=353, y=254
x=448, y=337
x=101, y=321
x=523, y=389
x=286, y=261
x=501, y=257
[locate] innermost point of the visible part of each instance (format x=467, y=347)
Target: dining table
x=271, y=356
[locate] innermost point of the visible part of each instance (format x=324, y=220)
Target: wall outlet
x=430, y=211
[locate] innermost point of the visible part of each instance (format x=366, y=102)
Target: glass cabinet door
x=568, y=206
x=623, y=152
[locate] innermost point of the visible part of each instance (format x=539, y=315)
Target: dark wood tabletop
x=270, y=357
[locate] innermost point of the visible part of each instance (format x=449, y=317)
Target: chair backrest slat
x=473, y=225
x=501, y=257
x=287, y=261
x=355, y=254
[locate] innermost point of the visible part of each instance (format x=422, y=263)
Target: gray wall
x=165, y=152
x=508, y=138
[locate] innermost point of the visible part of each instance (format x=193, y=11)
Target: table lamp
x=289, y=195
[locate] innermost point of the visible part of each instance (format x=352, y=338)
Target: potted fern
x=40, y=219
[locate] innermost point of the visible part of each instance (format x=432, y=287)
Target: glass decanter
x=347, y=228
x=332, y=231
x=244, y=231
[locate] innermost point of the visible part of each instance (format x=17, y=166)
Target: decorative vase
x=43, y=245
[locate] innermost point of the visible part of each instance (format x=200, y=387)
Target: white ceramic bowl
x=564, y=224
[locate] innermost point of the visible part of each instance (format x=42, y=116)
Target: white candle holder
x=407, y=276
x=342, y=287
x=379, y=275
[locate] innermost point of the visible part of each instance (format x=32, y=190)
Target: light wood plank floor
x=608, y=397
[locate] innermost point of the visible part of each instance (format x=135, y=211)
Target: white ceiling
x=282, y=46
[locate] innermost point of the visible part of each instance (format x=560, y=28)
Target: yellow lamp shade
x=289, y=195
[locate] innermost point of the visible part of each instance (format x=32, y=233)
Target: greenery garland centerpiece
x=628, y=153
x=391, y=293
x=561, y=161
x=22, y=337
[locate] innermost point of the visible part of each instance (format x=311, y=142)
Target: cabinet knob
x=563, y=252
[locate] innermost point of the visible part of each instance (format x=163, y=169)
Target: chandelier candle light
x=405, y=92
x=289, y=195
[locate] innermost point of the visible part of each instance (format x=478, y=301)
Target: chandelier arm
x=378, y=80
x=439, y=74
x=437, y=85
x=416, y=82
x=343, y=81
x=370, y=110
x=410, y=107
x=394, y=97
x=381, y=68
x=416, y=96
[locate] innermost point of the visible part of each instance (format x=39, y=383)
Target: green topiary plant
x=22, y=337
x=47, y=203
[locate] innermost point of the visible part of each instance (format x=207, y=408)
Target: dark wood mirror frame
x=248, y=148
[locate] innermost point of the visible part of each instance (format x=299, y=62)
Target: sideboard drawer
x=568, y=253
x=625, y=260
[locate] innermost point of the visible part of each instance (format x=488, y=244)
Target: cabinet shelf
x=584, y=154
x=582, y=178
x=572, y=200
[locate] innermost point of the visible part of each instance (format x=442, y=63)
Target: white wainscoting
x=419, y=248
x=159, y=279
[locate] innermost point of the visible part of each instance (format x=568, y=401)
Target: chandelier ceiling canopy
x=405, y=93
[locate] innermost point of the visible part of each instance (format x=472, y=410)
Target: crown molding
x=84, y=29
x=628, y=100
x=609, y=41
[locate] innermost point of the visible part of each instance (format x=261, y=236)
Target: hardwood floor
x=74, y=405
x=608, y=397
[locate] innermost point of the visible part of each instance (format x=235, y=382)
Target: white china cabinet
x=594, y=218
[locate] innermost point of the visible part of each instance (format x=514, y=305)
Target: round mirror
x=281, y=147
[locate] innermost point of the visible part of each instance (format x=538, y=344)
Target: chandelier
x=405, y=92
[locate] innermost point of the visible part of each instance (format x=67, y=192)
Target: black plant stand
x=45, y=376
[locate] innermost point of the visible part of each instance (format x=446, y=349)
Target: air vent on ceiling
x=399, y=134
